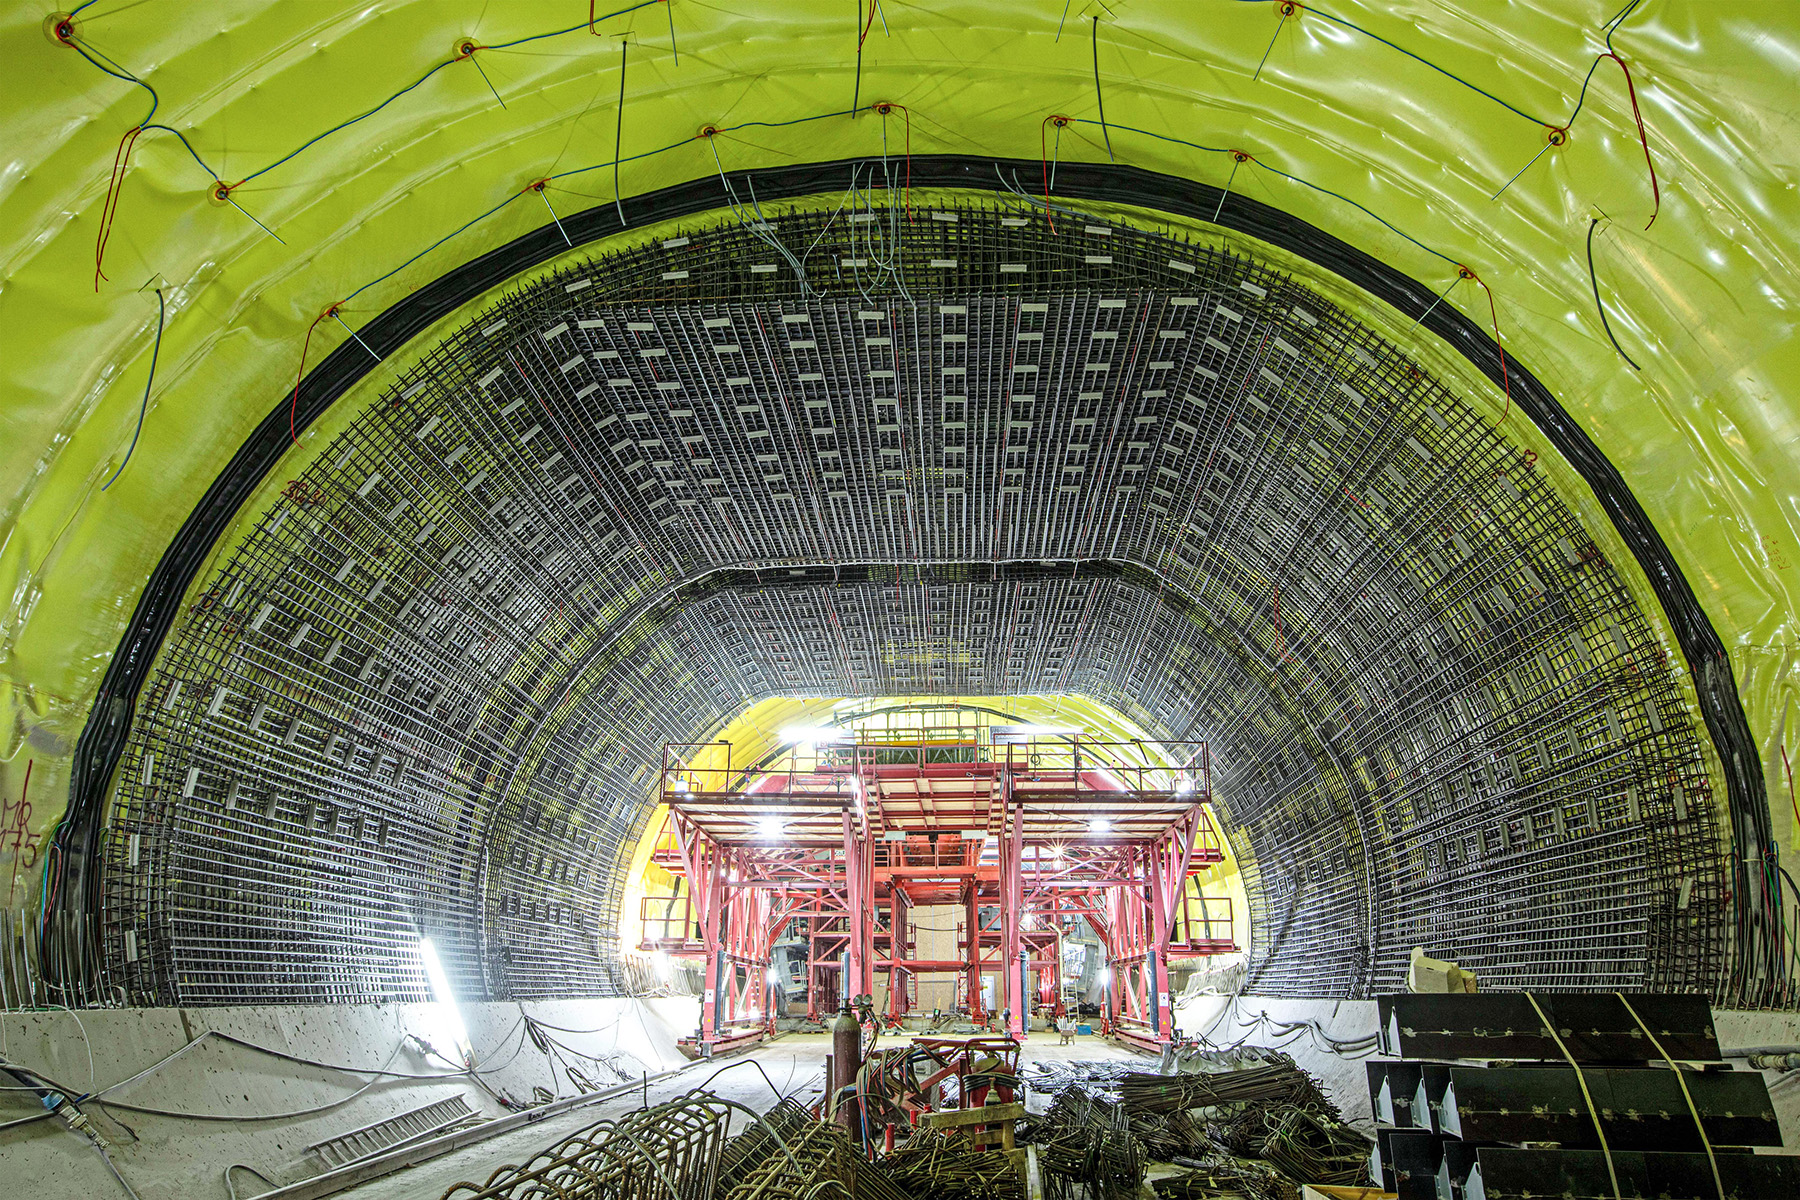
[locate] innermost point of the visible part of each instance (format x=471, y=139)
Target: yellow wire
x=1712, y=1159
x=1593, y=1113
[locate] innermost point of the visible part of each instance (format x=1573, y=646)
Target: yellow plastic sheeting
x=1707, y=434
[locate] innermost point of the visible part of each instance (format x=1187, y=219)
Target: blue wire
x=1402, y=49
x=127, y=76
x=143, y=407
x=1277, y=170
x=307, y=145
x=1612, y=26
x=600, y=166
x=427, y=250
x=188, y=144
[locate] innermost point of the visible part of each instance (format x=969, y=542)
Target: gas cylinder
x=846, y=1060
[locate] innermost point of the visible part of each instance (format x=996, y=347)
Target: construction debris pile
x=1249, y=1124
x=1250, y=1133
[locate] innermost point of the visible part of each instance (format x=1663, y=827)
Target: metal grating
x=967, y=455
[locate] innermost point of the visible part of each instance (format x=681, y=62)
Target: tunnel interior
x=853, y=450
x=439, y=411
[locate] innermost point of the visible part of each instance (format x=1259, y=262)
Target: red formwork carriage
x=851, y=836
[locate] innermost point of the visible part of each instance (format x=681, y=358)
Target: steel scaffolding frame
x=1043, y=830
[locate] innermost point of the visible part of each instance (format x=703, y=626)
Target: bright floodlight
x=773, y=974
x=1184, y=787
x=1100, y=825
x=770, y=828
x=1105, y=976
x=814, y=735
x=449, y=1017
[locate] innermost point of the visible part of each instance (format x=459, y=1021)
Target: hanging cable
x=862, y=35
x=294, y=404
x=619, y=128
x=1287, y=10
x=1594, y=280
x=883, y=109
x=1099, y=98
x=1048, y=156
x=1494, y=313
x=1643, y=139
x=144, y=405
x=109, y=207
x=1238, y=159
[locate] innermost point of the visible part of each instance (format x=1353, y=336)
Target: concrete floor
x=794, y=1063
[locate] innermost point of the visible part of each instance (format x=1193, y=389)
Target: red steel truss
x=851, y=837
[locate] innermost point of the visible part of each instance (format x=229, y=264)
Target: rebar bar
x=670, y=1151
x=934, y=1165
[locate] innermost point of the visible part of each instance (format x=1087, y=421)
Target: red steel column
x=1012, y=903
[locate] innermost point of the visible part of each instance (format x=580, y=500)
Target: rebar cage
x=877, y=449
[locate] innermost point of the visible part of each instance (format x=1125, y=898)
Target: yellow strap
x=1711, y=1158
x=1586, y=1095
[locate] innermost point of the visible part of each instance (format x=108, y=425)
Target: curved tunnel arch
x=1352, y=855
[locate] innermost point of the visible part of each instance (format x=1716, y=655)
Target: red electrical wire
x=1494, y=313
x=867, y=25
x=24, y=815
x=1655, y=189
x=294, y=404
x=115, y=188
x=1785, y=765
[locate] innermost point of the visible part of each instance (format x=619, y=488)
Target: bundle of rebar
x=1278, y=1080
x=1086, y=1148
x=779, y=1126
x=1228, y=1178
x=671, y=1149
x=816, y=1159
x=1307, y=1146
x=1166, y=1135
x=938, y=1166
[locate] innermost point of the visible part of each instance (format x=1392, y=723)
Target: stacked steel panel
x=1485, y=1104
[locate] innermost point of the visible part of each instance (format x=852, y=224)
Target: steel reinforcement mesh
x=858, y=452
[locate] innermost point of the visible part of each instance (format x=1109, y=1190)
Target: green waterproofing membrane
x=367, y=150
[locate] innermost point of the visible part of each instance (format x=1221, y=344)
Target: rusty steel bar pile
x=818, y=1161
x=1227, y=1178
x=938, y=1166
x=780, y=1126
x=1086, y=1148
x=1277, y=1081
x=671, y=1151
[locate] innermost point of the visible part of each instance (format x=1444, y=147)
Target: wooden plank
x=987, y=1114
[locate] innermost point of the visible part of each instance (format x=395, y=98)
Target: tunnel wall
x=426, y=692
